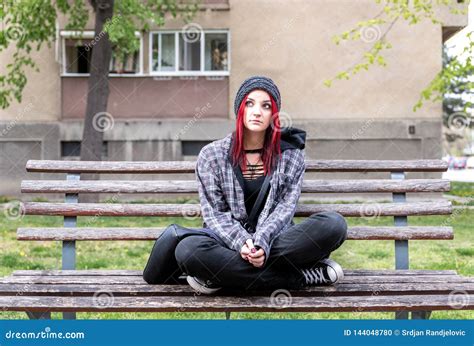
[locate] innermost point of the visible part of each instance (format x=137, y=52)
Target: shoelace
x=314, y=276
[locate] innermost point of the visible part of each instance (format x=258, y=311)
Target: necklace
x=253, y=150
x=252, y=168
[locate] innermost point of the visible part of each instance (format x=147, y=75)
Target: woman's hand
x=256, y=258
x=245, y=252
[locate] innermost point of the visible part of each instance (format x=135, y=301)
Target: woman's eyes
x=266, y=105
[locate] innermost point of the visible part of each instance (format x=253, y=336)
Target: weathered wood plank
x=217, y=303
x=375, y=185
x=59, y=166
x=115, y=167
x=372, y=210
x=152, y=233
x=186, y=290
x=137, y=280
x=109, y=186
x=376, y=166
x=188, y=186
x=368, y=210
x=119, y=272
x=399, y=233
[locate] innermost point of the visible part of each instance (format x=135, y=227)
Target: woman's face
x=258, y=111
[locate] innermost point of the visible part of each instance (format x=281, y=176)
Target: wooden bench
x=40, y=292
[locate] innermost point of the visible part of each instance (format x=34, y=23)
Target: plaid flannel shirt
x=222, y=198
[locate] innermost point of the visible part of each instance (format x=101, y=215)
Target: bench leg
x=69, y=263
x=227, y=315
x=69, y=315
x=401, y=315
x=401, y=246
x=39, y=315
x=420, y=315
x=69, y=246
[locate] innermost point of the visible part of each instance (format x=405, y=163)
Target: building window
x=192, y=148
x=73, y=149
x=215, y=52
x=77, y=53
x=77, y=56
x=166, y=60
x=189, y=54
x=173, y=53
x=70, y=149
x=127, y=64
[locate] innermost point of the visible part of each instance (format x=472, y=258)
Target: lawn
x=454, y=254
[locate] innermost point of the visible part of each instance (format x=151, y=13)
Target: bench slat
x=186, y=290
x=115, y=272
x=138, y=280
x=152, y=233
x=441, y=207
x=188, y=186
x=218, y=303
x=58, y=166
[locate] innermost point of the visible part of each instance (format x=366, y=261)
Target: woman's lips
x=256, y=122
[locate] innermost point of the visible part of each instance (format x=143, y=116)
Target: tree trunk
x=97, y=120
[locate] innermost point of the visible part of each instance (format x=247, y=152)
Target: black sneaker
x=202, y=286
x=325, y=272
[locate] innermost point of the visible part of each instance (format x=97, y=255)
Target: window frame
x=176, y=72
x=89, y=34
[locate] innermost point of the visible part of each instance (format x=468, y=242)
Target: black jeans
x=199, y=254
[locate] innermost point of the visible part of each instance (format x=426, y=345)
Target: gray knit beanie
x=257, y=82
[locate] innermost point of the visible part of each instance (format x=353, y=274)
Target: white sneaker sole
x=337, y=268
x=200, y=288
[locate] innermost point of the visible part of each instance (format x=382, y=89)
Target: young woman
x=248, y=239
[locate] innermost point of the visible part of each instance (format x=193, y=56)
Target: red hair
x=271, y=145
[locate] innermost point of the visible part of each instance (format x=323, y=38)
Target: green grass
x=462, y=189
x=443, y=254
x=465, y=192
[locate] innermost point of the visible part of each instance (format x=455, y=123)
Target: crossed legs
x=300, y=246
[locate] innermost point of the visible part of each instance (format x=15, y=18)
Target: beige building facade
x=176, y=94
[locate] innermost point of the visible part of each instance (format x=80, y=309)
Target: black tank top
x=251, y=190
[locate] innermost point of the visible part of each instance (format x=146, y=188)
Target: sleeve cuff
x=239, y=242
